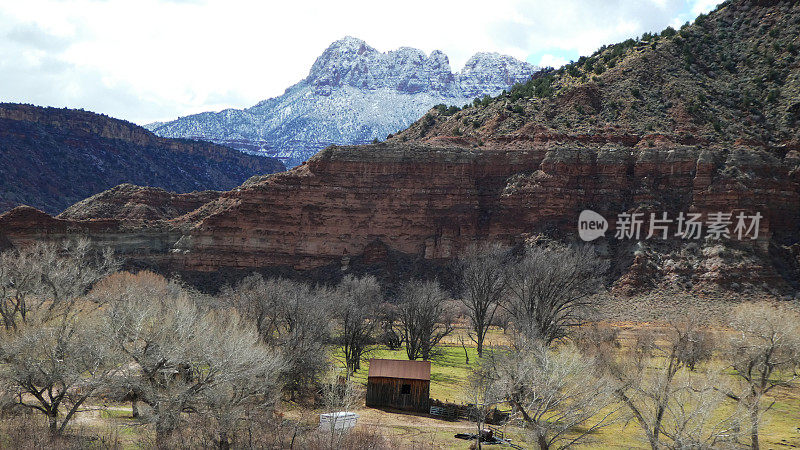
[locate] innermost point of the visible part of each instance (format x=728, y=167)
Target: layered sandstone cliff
x=430, y=203
x=498, y=172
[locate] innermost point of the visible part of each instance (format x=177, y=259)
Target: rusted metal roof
x=398, y=368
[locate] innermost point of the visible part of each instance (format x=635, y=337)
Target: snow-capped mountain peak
x=352, y=94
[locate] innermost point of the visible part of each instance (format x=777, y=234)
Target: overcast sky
x=147, y=60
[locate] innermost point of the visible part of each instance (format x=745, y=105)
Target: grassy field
x=449, y=373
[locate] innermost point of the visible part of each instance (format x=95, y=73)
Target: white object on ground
x=342, y=420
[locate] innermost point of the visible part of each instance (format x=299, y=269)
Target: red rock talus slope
x=135, y=203
x=51, y=158
x=654, y=131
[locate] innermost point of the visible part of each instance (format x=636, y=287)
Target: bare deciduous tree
x=482, y=270
x=549, y=290
x=250, y=386
x=554, y=393
x=502, y=319
x=594, y=339
x=389, y=336
x=48, y=278
x=425, y=318
x=662, y=398
x=19, y=272
x=53, y=356
x=292, y=318
x=693, y=417
x=55, y=366
x=356, y=302
x=765, y=354
x=182, y=358
x=482, y=391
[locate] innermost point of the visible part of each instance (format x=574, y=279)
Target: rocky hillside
x=137, y=203
x=352, y=95
x=731, y=76
x=653, y=126
x=51, y=158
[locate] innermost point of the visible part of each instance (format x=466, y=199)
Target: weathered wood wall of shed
x=386, y=392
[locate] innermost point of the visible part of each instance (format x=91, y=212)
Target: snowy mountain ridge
x=352, y=95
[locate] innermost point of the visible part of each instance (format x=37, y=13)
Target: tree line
x=686, y=386
x=76, y=329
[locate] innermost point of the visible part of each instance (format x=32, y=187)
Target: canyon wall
x=701, y=120
x=430, y=203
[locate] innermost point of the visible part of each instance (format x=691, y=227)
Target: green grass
x=449, y=370
x=450, y=373
x=115, y=414
x=781, y=424
x=449, y=376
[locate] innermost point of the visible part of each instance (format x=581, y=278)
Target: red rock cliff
x=432, y=202
x=682, y=123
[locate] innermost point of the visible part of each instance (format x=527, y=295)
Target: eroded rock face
x=415, y=200
x=431, y=203
x=657, y=132
x=140, y=244
x=133, y=203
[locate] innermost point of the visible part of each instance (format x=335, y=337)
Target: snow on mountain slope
x=352, y=95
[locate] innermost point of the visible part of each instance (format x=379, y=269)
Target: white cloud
x=585, y=25
x=704, y=6
x=157, y=59
x=548, y=60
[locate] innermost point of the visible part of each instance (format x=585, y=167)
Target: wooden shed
x=399, y=384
